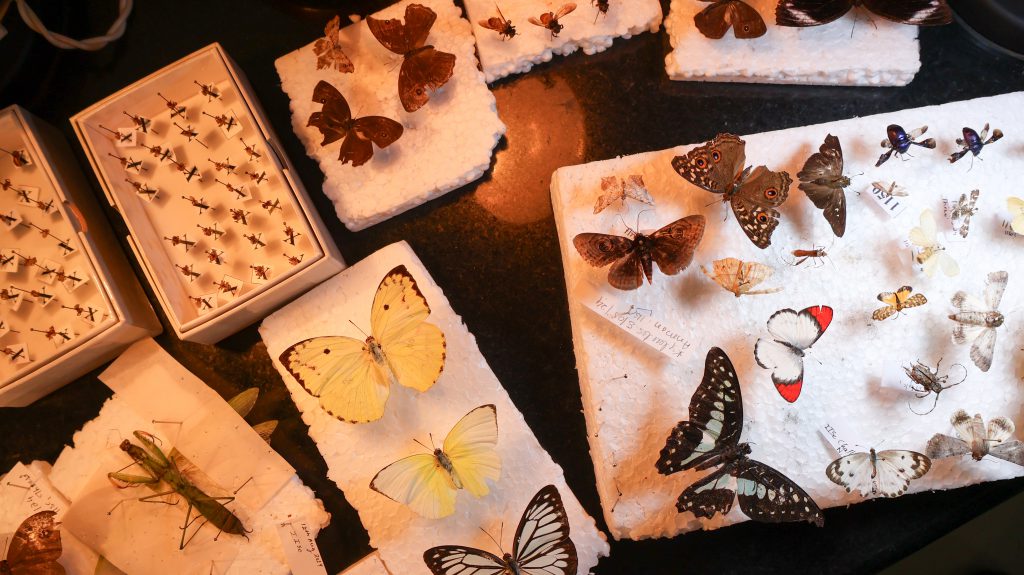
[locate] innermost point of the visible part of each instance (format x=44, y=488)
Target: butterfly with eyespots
x=753, y=193
x=335, y=122
x=716, y=19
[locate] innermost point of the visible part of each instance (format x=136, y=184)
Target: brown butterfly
x=328, y=50
x=424, y=69
x=550, y=20
x=335, y=121
x=715, y=20
x=672, y=248
x=823, y=181
x=35, y=548
x=753, y=193
x=499, y=24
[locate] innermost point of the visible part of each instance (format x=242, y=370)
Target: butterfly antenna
x=491, y=537
x=424, y=446
x=359, y=328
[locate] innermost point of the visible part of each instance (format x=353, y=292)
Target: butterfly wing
x=755, y=202
x=915, y=12
x=787, y=367
x=612, y=188
x=332, y=119
x=542, y=544
x=801, y=13
x=470, y=446
x=897, y=468
x=766, y=495
x=941, y=446
x=999, y=429
x=342, y=373
x=716, y=418
x=403, y=38
x=819, y=179
x=600, y=250
x=420, y=483
x=943, y=261
x=983, y=347
x=1012, y=451
x=923, y=235
x=423, y=72
x=994, y=289
x=727, y=273
x=852, y=472
x=713, y=21
x=414, y=349
x=633, y=187
x=36, y=546
x=328, y=50
x=457, y=560
x=715, y=165
x=711, y=495
x=1016, y=207
x=673, y=246
x=377, y=129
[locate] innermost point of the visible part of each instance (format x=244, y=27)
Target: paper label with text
x=842, y=443
x=299, y=542
x=643, y=324
x=890, y=205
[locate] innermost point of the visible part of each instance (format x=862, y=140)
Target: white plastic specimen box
x=214, y=449
x=641, y=353
x=356, y=452
x=220, y=223
x=68, y=299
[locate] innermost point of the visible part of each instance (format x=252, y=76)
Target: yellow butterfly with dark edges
x=353, y=378
x=897, y=302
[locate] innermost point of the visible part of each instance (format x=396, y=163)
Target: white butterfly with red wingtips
x=793, y=332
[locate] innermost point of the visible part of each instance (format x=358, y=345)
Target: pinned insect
x=887, y=191
x=740, y=277
x=173, y=106
x=897, y=301
x=499, y=24
x=550, y=20
x=925, y=380
x=329, y=53
x=962, y=210
x=140, y=122
x=208, y=90
x=815, y=254
x=973, y=143
x=619, y=189
x=898, y=141
x=19, y=157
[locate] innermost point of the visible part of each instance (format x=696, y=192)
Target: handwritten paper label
x=638, y=322
x=842, y=444
x=300, y=548
x=890, y=205
x=24, y=493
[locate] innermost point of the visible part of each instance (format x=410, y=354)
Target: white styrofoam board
x=585, y=28
x=369, y=565
x=152, y=392
x=851, y=51
x=446, y=144
x=845, y=387
x=467, y=382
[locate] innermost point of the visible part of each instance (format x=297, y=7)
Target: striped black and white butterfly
x=880, y=473
x=711, y=437
x=801, y=13
x=976, y=440
x=542, y=545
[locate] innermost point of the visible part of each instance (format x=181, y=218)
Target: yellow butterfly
x=352, y=378
x=1016, y=207
x=897, y=302
x=428, y=482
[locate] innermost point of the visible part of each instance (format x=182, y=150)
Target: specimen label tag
x=35, y=494
x=890, y=205
x=638, y=322
x=300, y=549
x=841, y=443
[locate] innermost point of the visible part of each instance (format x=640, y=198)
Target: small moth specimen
x=890, y=190
x=930, y=253
x=898, y=141
x=925, y=380
x=499, y=24
x=739, y=277
x=977, y=320
x=618, y=189
x=962, y=210
x=328, y=49
x=973, y=143
x=897, y=302
x=550, y=20
x=974, y=439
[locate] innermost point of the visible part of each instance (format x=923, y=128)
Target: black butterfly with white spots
x=711, y=438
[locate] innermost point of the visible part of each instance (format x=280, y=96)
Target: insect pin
x=176, y=110
x=550, y=20
x=240, y=192
x=140, y=122
x=19, y=157
x=226, y=165
x=143, y=189
x=208, y=90
x=191, y=134
x=925, y=380
x=898, y=141
x=973, y=142
x=504, y=28
x=181, y=241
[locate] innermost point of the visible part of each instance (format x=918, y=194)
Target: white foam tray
x=843, y=378
x=851, y=51
x=446, y=144
x=355, y=453
x=585, y=29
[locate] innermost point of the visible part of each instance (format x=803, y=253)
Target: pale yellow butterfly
x=1016, y=207
x=428, y=482
x=931, y=254
x=352, y=378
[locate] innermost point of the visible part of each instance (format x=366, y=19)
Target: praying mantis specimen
x=163, y=469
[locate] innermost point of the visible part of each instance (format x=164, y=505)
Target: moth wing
x=714, y=20
x=612, y=188
x=564, y=10
x=420, y=483
x=600, y=250
x=633, y=187
x=470, y=446
x=924, y=234
x=1012, y=451
x=422, y=74
x=941, y=446
x=673, y=245
x=968, y=303
x=999, y=429
x=415, y=349
x=852, y=472
x=457, y=560
x=342, y=374
x=897, y=468
x=915, y=300
x=983, y=348
x=355, y=149
x=994, y=289
x=378, y=129
x=767, y=495
x=35, y=546
x=970, y=429
x=947, y=263
x=883, y=313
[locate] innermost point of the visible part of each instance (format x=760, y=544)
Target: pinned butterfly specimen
x=335, y=122
x=551, y=20
x=711, y=437
x=352, y=378
x=930, y=254
x=962, y=210
x=739, y=277
x=898, y=141
x=328, y=50
x=542, y=545
x=976, y=320
x=801, y=13
x=793, y=333
x=1016, y=207
x=671, y=247
x=35, y=547
x=424, y=69
x=973, y=143
x=714, y=20
x=926, y=380
x=886, y=473
x=891, y=190
x=823, y=181
x=618, y=189
x=974, y=439
x=499, y=24
x=753, y=193
x=428, y=482
x=896, y=302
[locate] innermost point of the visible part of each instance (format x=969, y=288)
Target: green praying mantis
x=161, y=469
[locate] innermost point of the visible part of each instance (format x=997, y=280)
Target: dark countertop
x=492, y=246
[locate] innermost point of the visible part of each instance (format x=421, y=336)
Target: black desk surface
x=492, y=246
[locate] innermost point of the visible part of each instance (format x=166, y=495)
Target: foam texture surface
x=853, y=50
x=355, y=453
x=629, y=419
x=446, y=144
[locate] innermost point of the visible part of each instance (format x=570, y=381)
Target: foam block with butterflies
x=860, y=52
x=591, y=26
x=443, y=452
x=814, y=336
x=413, y=137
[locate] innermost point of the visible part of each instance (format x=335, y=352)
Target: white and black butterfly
x=823, y=181
x=881, y=473
x=793, y=332
x=802, y=13
x=542, y=545
x=976, y=320
x=711, y=437
x=974, y=439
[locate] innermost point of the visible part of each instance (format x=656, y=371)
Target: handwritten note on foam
x=638, y=322
x=842, y=443
x=299, y=542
